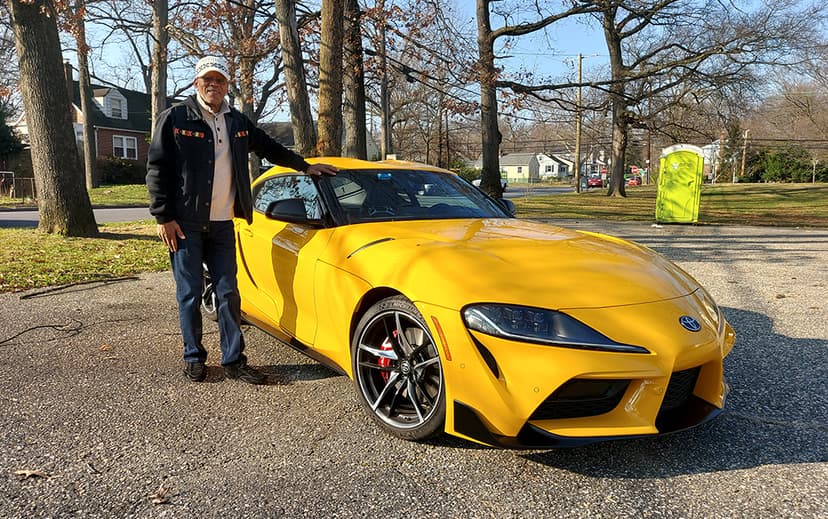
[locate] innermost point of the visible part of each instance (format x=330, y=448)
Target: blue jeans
x=217, y=248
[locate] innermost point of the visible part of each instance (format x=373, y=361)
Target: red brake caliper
x=385, y=362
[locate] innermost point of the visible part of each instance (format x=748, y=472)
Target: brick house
x=120, y=117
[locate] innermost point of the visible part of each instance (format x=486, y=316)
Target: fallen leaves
x=161, y=496
x=26, y=474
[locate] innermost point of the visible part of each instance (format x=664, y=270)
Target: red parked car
x=634, y=181
x=595, y=181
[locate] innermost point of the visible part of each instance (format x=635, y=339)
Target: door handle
x=247, y=232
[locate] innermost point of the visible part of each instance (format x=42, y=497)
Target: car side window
x=285, y=187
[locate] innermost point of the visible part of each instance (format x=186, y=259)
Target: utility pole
x=578, y=129
x=744, y=155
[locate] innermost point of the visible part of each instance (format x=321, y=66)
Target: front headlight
x=537, y=325
x=712, y=310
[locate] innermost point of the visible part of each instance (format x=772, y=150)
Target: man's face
x=212, y=87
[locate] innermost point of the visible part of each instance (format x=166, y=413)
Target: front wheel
x=397, y=370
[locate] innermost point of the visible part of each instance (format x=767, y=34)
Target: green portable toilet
x=679, y=184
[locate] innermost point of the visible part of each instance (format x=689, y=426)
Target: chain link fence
x=16, y=188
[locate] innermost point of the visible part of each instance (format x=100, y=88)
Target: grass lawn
x=793, y=205
x=30, y=259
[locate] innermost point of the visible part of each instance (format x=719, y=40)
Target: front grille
x=581, y=397
x=680, y=388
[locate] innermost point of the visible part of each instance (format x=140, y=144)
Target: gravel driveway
x=97, y=420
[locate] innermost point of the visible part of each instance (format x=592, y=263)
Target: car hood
x=456, y=262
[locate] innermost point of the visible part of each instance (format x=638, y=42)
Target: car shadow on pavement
x=776, y=413
x=278, y=375
x=286, y=374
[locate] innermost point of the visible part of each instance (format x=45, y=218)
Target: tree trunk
x=304, y=134
x=247, y=66
x=619, y=149
x=489, y=132
x=330, y=79
x=387, y=147
x=619, y=105
x=246, y=69
x=63, y=202
x=90, y=154
x=354, y=85
x=160, y=12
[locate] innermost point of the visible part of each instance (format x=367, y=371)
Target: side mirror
x=291, y=210
x=508, y=206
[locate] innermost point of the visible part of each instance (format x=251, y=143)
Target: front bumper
x=518, y=395
x=467, y=422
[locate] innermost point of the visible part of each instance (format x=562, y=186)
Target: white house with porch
x=531, y=167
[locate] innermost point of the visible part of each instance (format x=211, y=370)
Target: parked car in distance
x=595, y=181
x=634, y=180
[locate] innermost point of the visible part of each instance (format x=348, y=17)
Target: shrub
x=114, y=170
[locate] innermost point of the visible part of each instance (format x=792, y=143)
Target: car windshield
x=397, y=194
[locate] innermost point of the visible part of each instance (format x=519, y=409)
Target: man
x=198, y=181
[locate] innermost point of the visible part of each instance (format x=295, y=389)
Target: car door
x=279, y=257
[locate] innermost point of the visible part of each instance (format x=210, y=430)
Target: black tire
x=208, y=297
x=397, y=370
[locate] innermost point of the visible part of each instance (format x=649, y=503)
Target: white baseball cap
x=212, y=64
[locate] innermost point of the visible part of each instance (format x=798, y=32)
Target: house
x=120, y=118
x=531, y=167
x=555, y=167
x=595, y=163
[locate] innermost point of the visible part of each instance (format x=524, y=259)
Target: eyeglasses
x=218, y=80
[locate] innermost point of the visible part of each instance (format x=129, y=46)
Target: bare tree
x=76, y=20
x=417, y=72
x=304, y=133
x=63, y=202
x=122, y=25
x=665, y=52
x=330, y=79
x=158, y=64
x=487, y=36
x=354, y=85
x=9, y=97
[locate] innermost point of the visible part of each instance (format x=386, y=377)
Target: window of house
x=116, y=109
x=520, y=169
x=124, y=147
x=564, y=170
x=549, y=168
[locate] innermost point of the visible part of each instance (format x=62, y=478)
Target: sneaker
x=195, y=371
x=244, y=373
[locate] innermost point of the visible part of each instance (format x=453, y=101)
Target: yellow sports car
x=451, y=315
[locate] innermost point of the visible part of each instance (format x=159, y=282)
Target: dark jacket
x=180, y=163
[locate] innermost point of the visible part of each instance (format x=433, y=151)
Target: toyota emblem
x=689, y=323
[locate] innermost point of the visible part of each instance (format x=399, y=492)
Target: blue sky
x=552, y=52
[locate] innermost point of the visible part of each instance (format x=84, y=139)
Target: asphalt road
x=29, y=218
x=92, y=398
